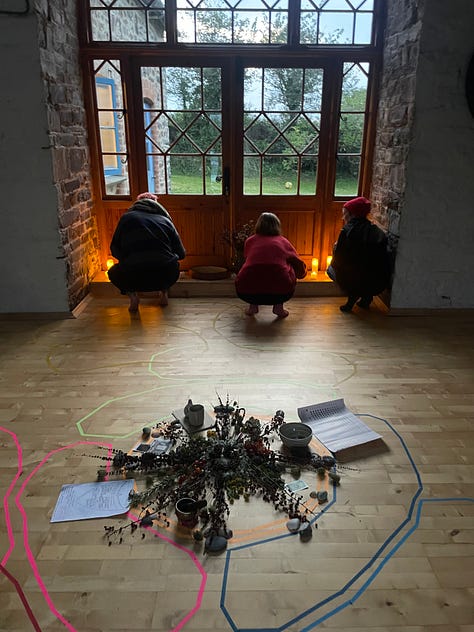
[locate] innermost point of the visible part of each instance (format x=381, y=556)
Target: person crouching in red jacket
x=271, y=267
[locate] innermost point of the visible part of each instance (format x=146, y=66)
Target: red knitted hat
x=358, y=207
x=147, y=196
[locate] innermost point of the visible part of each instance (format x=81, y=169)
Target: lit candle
x=314, y=266
x=110, y=263
x=328, y=261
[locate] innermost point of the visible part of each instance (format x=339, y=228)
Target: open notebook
x=337, y=428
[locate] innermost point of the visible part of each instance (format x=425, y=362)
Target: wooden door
x=222, y=141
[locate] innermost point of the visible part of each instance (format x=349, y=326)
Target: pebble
x=215, y=543
x=322, y=497
x=293, y=524
x=306, y=533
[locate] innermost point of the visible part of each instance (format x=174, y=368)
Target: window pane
x=111, y=126
x=264, y=22
x=129, y=27
x=213, y=180
x=100, y=26
x=185, y=175
x=280, y=174
x=309, y=172
x=108, y=72
x=183, y=126
x=351, y=127
x=363, y=28
x=252, y=169
x=232, y=22
x=336, y=28
x=108, y=140
x=281, y=126
x=336, y=22
x=124, y=21
x=354, y=87
x=111, y=162
x=107, y=119
x=347, y=175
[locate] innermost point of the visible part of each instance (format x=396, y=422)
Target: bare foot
x=279, y=311
x=134, y=302
x=251, y=310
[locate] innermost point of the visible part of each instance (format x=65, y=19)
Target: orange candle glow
x=328, y=261
x=314, y=266
x=110, y=263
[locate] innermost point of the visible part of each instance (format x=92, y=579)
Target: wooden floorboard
x=394, y=549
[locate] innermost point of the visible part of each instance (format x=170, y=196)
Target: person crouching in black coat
x=360, y=263
x=148, y=248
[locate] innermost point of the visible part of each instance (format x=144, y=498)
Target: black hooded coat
x=148, y=248
x=360, y=260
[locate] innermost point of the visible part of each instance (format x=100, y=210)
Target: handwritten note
x=92, y=500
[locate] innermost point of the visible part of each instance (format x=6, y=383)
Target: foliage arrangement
x=233, y=460
x=236, y=238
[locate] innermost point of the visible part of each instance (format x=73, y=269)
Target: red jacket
x=267, y=269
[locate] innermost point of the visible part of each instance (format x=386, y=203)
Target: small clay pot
x=187, y=512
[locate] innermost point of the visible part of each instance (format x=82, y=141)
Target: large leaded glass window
x=289, y=118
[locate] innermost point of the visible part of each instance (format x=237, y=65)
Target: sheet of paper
x=92, y=500
x=335, y=425
x=157, y=446
x=296, y=486
x=160, y=446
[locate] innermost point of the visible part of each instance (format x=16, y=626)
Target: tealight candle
x=328, y=261
x=314, y=266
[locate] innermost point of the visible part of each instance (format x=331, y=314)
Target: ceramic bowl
x=295, y=435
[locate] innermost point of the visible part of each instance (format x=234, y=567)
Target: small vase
x=237, y=260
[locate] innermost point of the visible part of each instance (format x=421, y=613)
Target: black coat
x=148, y=248
x=144, y=234
x=360, y=259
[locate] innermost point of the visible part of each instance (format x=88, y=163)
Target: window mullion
x=294, y=23
x=171, y=23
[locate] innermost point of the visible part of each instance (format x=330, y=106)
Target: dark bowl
x=295, y=434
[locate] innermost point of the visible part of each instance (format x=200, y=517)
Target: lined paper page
x=335, y=426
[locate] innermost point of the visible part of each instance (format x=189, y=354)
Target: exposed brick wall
x=59, y=47
x=396, y=112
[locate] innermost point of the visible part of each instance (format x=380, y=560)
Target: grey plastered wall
x=33, y=277
x=435, y=258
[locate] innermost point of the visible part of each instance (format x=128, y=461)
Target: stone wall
x=435, y=258
x=396, y=112
x=58, y=44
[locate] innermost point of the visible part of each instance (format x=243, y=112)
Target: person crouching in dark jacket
x=148, y=248
x=360, y=263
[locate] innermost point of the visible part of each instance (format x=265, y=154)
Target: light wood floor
x=394, y=548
